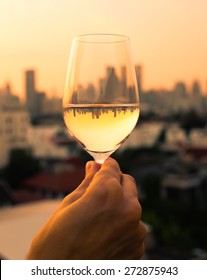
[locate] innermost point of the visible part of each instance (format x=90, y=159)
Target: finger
x=110, y=168
x=106, y=185
x=91, y=169
x=138, y=248
x=129, y=186
x=142, y=233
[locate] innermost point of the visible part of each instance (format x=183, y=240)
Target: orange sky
x=169, y=38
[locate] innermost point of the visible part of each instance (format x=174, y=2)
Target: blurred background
x=166, y=153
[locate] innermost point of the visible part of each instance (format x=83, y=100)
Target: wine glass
x=101, y=102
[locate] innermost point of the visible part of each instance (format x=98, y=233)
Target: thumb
x=91, y=169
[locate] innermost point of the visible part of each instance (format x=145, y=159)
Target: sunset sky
x=168, y=37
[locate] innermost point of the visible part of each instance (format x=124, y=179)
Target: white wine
x=101, y=128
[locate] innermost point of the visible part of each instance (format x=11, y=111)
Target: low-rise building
x=14, y=124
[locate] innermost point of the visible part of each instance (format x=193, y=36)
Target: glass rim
x=100, y=38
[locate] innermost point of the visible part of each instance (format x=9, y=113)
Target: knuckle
x=100, y=191
x=113, y=184
x=133, y=212
x=112, y=162
x=130, y=178
x=107, y=180
x=130, y=184
x=111, y=168
x=141, y=250
x=142, y=231
x=110, y=185
x=131, y=181
x=106, y=194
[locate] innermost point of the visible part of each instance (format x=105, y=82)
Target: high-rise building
x=180, y=89
x=196, y=97
x=196, y=90
x=31, y=94
x=123, y=80
x=8, y=100
x=112, y=87
x=138, y=70
x=180, y=101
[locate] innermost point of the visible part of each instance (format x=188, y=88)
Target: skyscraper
x=196, y=88
x=197, y=103
x=31, y=94
x=138, y=70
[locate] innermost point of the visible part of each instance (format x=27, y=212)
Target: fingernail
x=92, y=166
x=96, y=166
x=89, y=165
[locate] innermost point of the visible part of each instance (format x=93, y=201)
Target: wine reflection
x=112, y=88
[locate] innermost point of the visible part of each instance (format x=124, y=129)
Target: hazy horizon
x=168, y=38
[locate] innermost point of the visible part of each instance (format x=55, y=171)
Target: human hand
x=101, y=219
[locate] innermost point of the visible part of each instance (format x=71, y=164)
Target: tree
x=21, y=165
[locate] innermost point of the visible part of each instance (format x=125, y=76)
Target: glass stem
x=100, y=157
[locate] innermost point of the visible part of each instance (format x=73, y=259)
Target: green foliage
x=129, y=158
x=21, y=165
x=177, y=227
x=192, y=120
x=151, y=188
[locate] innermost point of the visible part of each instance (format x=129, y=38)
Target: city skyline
x=54, y=94
x=167, y=38
x=163, y=102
